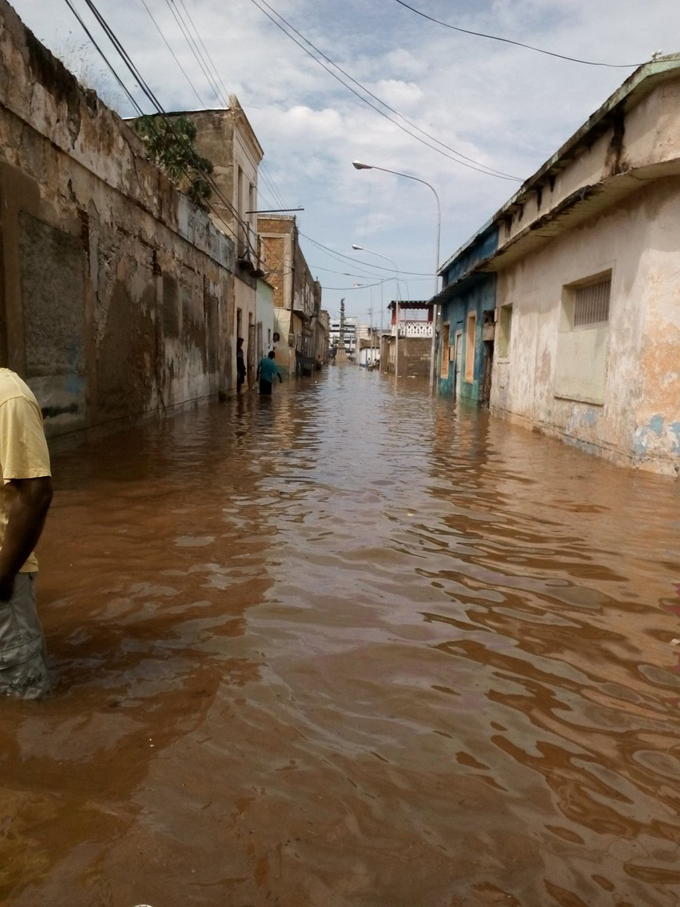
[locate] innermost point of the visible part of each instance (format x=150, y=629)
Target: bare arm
x=26, y=519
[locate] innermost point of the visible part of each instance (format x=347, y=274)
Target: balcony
x=413, y=329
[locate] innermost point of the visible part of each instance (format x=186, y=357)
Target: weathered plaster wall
x=413, y=356
x=639, y=422
x=116, y=294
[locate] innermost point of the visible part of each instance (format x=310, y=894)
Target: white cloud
x=501, y=105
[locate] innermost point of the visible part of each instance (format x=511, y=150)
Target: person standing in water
x=266, y=372
x=25, y=497
x=240, y=365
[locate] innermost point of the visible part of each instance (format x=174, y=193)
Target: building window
x=582, y=343
x=470, y=337
x=591, y=303
x=269, y=338
x=239, y=323
x=504, y=331
x=444, y=365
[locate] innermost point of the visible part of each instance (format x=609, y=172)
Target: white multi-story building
x=350, y=337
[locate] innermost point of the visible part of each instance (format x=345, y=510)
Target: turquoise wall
x=477, y=295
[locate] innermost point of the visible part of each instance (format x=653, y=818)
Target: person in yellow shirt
x=25, y=497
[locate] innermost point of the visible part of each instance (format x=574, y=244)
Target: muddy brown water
x=349, y=647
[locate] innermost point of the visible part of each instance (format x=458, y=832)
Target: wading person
x=25, y=497
x=266, y=372
x=240, y=365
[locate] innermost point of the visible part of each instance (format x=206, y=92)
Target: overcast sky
x=504, y=107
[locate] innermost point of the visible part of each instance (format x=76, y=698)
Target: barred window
x=591, y=303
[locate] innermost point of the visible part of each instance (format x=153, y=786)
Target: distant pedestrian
x=240, y=365
x=25, y=497
x=266, y=372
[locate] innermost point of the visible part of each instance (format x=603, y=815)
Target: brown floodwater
x=349, y=647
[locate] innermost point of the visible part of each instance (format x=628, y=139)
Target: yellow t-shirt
x=23, y=448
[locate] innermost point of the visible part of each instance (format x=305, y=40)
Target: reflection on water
x=352, y=647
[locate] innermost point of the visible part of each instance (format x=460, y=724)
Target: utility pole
x=342, y=323
x=341, y=355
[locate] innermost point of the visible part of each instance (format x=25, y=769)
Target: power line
x=223, y=98
x=151, y=96
x=269, y=180
x=193, y=47
x=488, y=169
x=347, y=274
x=218, y=79
x=538, y=50
x=481, y=168
x=364, y=286
x=358, y=261
x=200, y=99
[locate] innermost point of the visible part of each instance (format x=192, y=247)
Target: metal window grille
x=591, y=303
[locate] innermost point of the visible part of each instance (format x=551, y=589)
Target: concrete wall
x=297, y=296
x=412, y=359
x=638, y=421
x=116, y=294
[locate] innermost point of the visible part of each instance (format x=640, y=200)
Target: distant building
x=350, y=335
x=563, y=311
x=297, y=295
x=368, y=346
x=407, y=349
x=226, y=138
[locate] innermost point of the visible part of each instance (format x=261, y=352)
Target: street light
x=358, y=165
x=396, y=342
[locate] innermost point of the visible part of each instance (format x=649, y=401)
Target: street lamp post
x=409, y=176
x=396, y=269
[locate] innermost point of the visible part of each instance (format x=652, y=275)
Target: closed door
x=459, y=345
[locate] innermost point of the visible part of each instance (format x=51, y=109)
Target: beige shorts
x=23, y=671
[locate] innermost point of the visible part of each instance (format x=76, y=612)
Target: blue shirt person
x=266, y=372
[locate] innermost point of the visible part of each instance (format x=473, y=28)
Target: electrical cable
x=193, y=47
x=223, y=98
x=364, y=286
x=263, y=169
x=218, y=79
x=490, y=170
x=482, y=168
x=176, y=59
x=357, y=261
x=151, y=96
x=538, y=50
x=359, y=276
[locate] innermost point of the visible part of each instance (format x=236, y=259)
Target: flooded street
x=349, y=647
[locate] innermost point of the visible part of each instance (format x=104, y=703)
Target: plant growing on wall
x=77, y=58
x=170, y=143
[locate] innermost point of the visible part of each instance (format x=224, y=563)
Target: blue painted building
x=468, y=302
